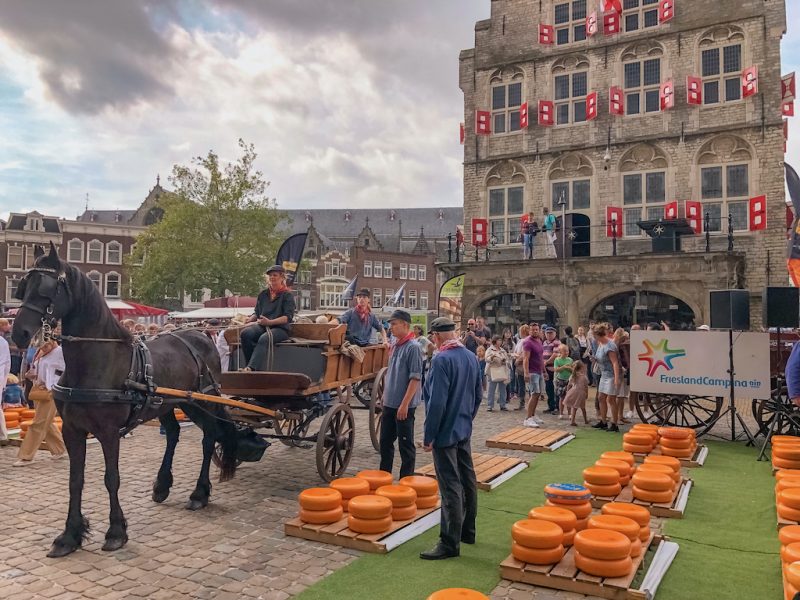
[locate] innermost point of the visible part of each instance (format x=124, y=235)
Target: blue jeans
x=500, y=388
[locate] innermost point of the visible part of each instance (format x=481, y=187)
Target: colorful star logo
x=659, y=356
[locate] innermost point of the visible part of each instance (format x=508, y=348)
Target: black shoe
x=600, y=425
x=613, y=428
x=438, y=552
x=468, y=539
x=504, y=408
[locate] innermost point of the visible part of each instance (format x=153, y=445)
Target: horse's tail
x=228, y=439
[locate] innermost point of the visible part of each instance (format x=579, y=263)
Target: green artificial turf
x=728, y=541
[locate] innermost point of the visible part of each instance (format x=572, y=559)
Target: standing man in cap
x=360, y=321
x=273, y=314
x=401, y=396
x=452, y=394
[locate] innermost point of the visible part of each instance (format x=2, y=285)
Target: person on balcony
x=273, y=314
x=549, y=229
x=361, y=322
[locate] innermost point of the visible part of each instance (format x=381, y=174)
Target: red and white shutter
x=611, y=5
x=461, y=132
x=591, y=24
x=613, y=215
x=546, y=113
x=483, y=122
x=694, y=90
x=671, y=210
x=787, y=87
x=616, y=101
x=787, y=108
x=480, y=232
x=750, y=82
x=611, y=22
x=667, y=95
x=758, y=213
x=591, y=106
x=546, y=34
x=523, y=116
x=666, y=10
x=694, y=214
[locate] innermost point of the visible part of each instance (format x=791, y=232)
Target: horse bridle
x=50, y=289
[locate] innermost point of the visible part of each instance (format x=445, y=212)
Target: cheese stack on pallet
x=375, y=478
x=602, y=481
x=678, y=442
x=669, y=461
x=791, y=580
x=403, y=500
x=427, y=489
x=574, y=498
x=788, y=501
x=665, y=469
x=623, y=468
x=350, y=487
x=369, y=514
x=562, y=517
x=603, y=553
x=12, y=417
x=320, y=505
x=640, y=442
x=652, y=486
x=785, y=452
x=537, y=542
x=636, y=512
x=789, y=535
x=624, y=525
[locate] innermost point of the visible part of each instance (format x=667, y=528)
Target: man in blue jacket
x=452, y=393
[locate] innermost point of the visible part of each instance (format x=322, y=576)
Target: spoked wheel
x=674, y=410
x=335, y=441
x=294, y=426
x=216, y=456
x=780, y=410
x=376, y=409
x=363, y=391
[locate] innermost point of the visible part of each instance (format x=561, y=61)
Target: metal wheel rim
x=764, y=412
x=335, y=441
x=376, y=409
x=672, y=410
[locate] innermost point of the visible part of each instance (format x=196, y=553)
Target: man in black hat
x=360, y=321
x=273, y=314
x=452, y=395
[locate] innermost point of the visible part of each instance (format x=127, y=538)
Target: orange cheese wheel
x=787, y=473
x=533, y=533
x=636, y=547
x=777, y=462
x=676, y=433
x=653, y=481
x=602, y=544
x=457, y=594
x=350, y=487
x=669, y=461
x=789, y=452
x=654, y=468
x=621, y=467
x=625, y=509
x=27, y=413
x=404, y=513
x=424, y=486
x=640, y=439
x=651, y=496
x=582, y=510
x=644, y=534
x=569, y=536
x=376, y=478
x=427, y=501
x=567, y=493
x=653, y=433
x=604, y=568
x=369, y=525
x=790, y=497
x=370, y=507
x=618, y=455
x=581, y=524
x=12, y=424
x=400, y=495
x=604, y=491
x=600, y=476
x=676, y=444
x=788, y=513
x=637, y=448
x=688, y=453
x=25, y=424
x=321, y=516
x=790, y=553
x=785, y=484
x=789, y=591
x=789, y=534
x=792, y=574
x=320, y=499
x=777, y=439
x=626, y=526
x=537, y=556
x=647, y=426
x=623, y=481
x=562, y=517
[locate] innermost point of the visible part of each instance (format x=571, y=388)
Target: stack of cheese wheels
x=320, y=505
x=640, y=442
x=602, y=481
x=562, y=517
x=656, y=468
x=678, y=442
x=789, y=504
x=789, y=535
x=603, y=553
x=623, y=468
x=633, y=511
x=427, y=489
x=790, y=553
x=27, y=414
x=24, y=425
x=785, y=482
x=537, y=542
x=652, y=486
x=625, y=525
x=786, y=452
x=375, y=478
x=404, y=501
x=12, y=417
x=369, y=514
x=651, y=430
x=457, y=594
x=350, y=487
x=574, y=498
x=791, y=580
x=669, y=461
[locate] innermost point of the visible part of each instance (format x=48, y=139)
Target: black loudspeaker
x=781, y=307
x=730, y=309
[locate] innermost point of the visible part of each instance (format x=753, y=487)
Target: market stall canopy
x=212, y=313
x=116, y=305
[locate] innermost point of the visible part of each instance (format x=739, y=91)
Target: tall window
x=305, y=300
x=96, y=278
x=403, y=270
x=721, y=69
x=389, y=294
x=304, y=277
x=367, y=268
x=377, y=298
x=30, y=256
x=335, y=268
x=114, y=253
x=570, y=21
x=387, y=270
x=643, y=196
x=423, y=300
x=576, y=194
x=642, y=84
x=378, y=269
x=640, y=14
x=75, y=251
x=412, y=272
x=94, y=253
x=412, y=299
x=725, y=189
x=422, y=273
x=11, y=289
x=112, y=285
x=15, y=258
x=331, y=295
x=505, y=211
x=506, y=100
x=570, y=97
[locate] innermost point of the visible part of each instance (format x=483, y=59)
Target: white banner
x=696, y=363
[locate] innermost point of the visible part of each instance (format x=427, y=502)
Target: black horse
x=101, y=359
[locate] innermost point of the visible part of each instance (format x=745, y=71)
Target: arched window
x=75, y=251
x=112, y=284
x=507, y=91
x=725, y=163
x=644, y=186
x=721, y=64
x=96, y=278
x=114, y=253
x=506, y=191
x=570, y=21
x=570, y=86
x=641, y=66
x=570, y=182
x=94, y=253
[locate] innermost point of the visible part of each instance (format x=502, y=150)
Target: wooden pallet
x=530, y=439
x=671, y=510
x=338, y=533
x=490, y=469
x=565, y=575
x=698, y=460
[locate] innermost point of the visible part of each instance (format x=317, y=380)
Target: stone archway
x=623, y=309
x=511, y=308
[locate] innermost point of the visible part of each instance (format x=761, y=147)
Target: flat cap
x=400, y=315
x=276, y=269
x=442, y=324
x=364, y=292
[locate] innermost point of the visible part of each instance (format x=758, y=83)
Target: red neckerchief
x=363, y=312
x=450, y=344
x=275, y=293
x=406, y=338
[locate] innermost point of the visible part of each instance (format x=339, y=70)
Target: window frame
x=330, y=294
x=387, y=270
x=725, y=200
x=367, y=268
x=109, y=245
x=12, y=283
x=377, y=294
x=642, y=89
x=571, y=25
x=643, y=205
x=507, y=218
x=570, y=100
x=89, y=251
x=422, y=273
x=555, y=209
x=423, y=300
x=411, y=297
x=723, y=76
x=108, y=279
x=412, y=272
x=507, y=111
x=640, y=10
x=98, y=281
x=377, y=269
x=21, y=250
x=70, y=248
x=403, y=270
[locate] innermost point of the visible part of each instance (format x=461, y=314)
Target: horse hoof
x=60, y=550
x=114, y=543
x=196, y=504
x=159, y=497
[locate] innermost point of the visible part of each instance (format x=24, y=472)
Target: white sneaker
x=538, y=420
x=530, y=422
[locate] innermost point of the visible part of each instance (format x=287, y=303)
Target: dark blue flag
x=290, y=254
x=350, y=290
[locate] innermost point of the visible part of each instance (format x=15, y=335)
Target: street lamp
x=562, y=202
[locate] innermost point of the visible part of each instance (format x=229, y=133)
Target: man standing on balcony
x=549, y=228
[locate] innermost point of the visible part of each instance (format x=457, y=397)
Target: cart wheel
x=335, y=441
x=376, y=409
x=777, y=407
x=673, y=410
x=216, y=456
x=363, y=391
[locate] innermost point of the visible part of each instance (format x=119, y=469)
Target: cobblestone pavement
x=235, y=548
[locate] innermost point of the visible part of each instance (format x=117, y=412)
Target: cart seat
x=305, y=334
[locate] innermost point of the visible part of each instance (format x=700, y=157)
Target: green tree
x=219, y=231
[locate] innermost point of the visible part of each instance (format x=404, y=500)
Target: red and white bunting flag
x=787, y=108
x=758, y=213
x=480, y=232
x=523, y=116
x=750, y=82
x=609, y=5
x=591, y=106
x=694, y=214
x=546, y=34
x=461, y=132
x=694, y=90
x=787, y=87
x=483, y=122
x=616, y=101
x=591, y=24
x=613, y=221
x=667, y=95
x=546, y=113
x=666, y=10
x=611, y=23
x=671, y=210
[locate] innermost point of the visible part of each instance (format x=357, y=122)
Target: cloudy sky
x=349, y=102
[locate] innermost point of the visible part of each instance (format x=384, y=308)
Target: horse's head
x=44, y=294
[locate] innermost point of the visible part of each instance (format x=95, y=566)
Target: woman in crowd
x=607, y=358
x=623, y=343
x=497, y=370
x=583, y=340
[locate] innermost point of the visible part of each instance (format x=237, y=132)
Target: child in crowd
x=577, y=393
x=562, y=367
x=12, y=394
